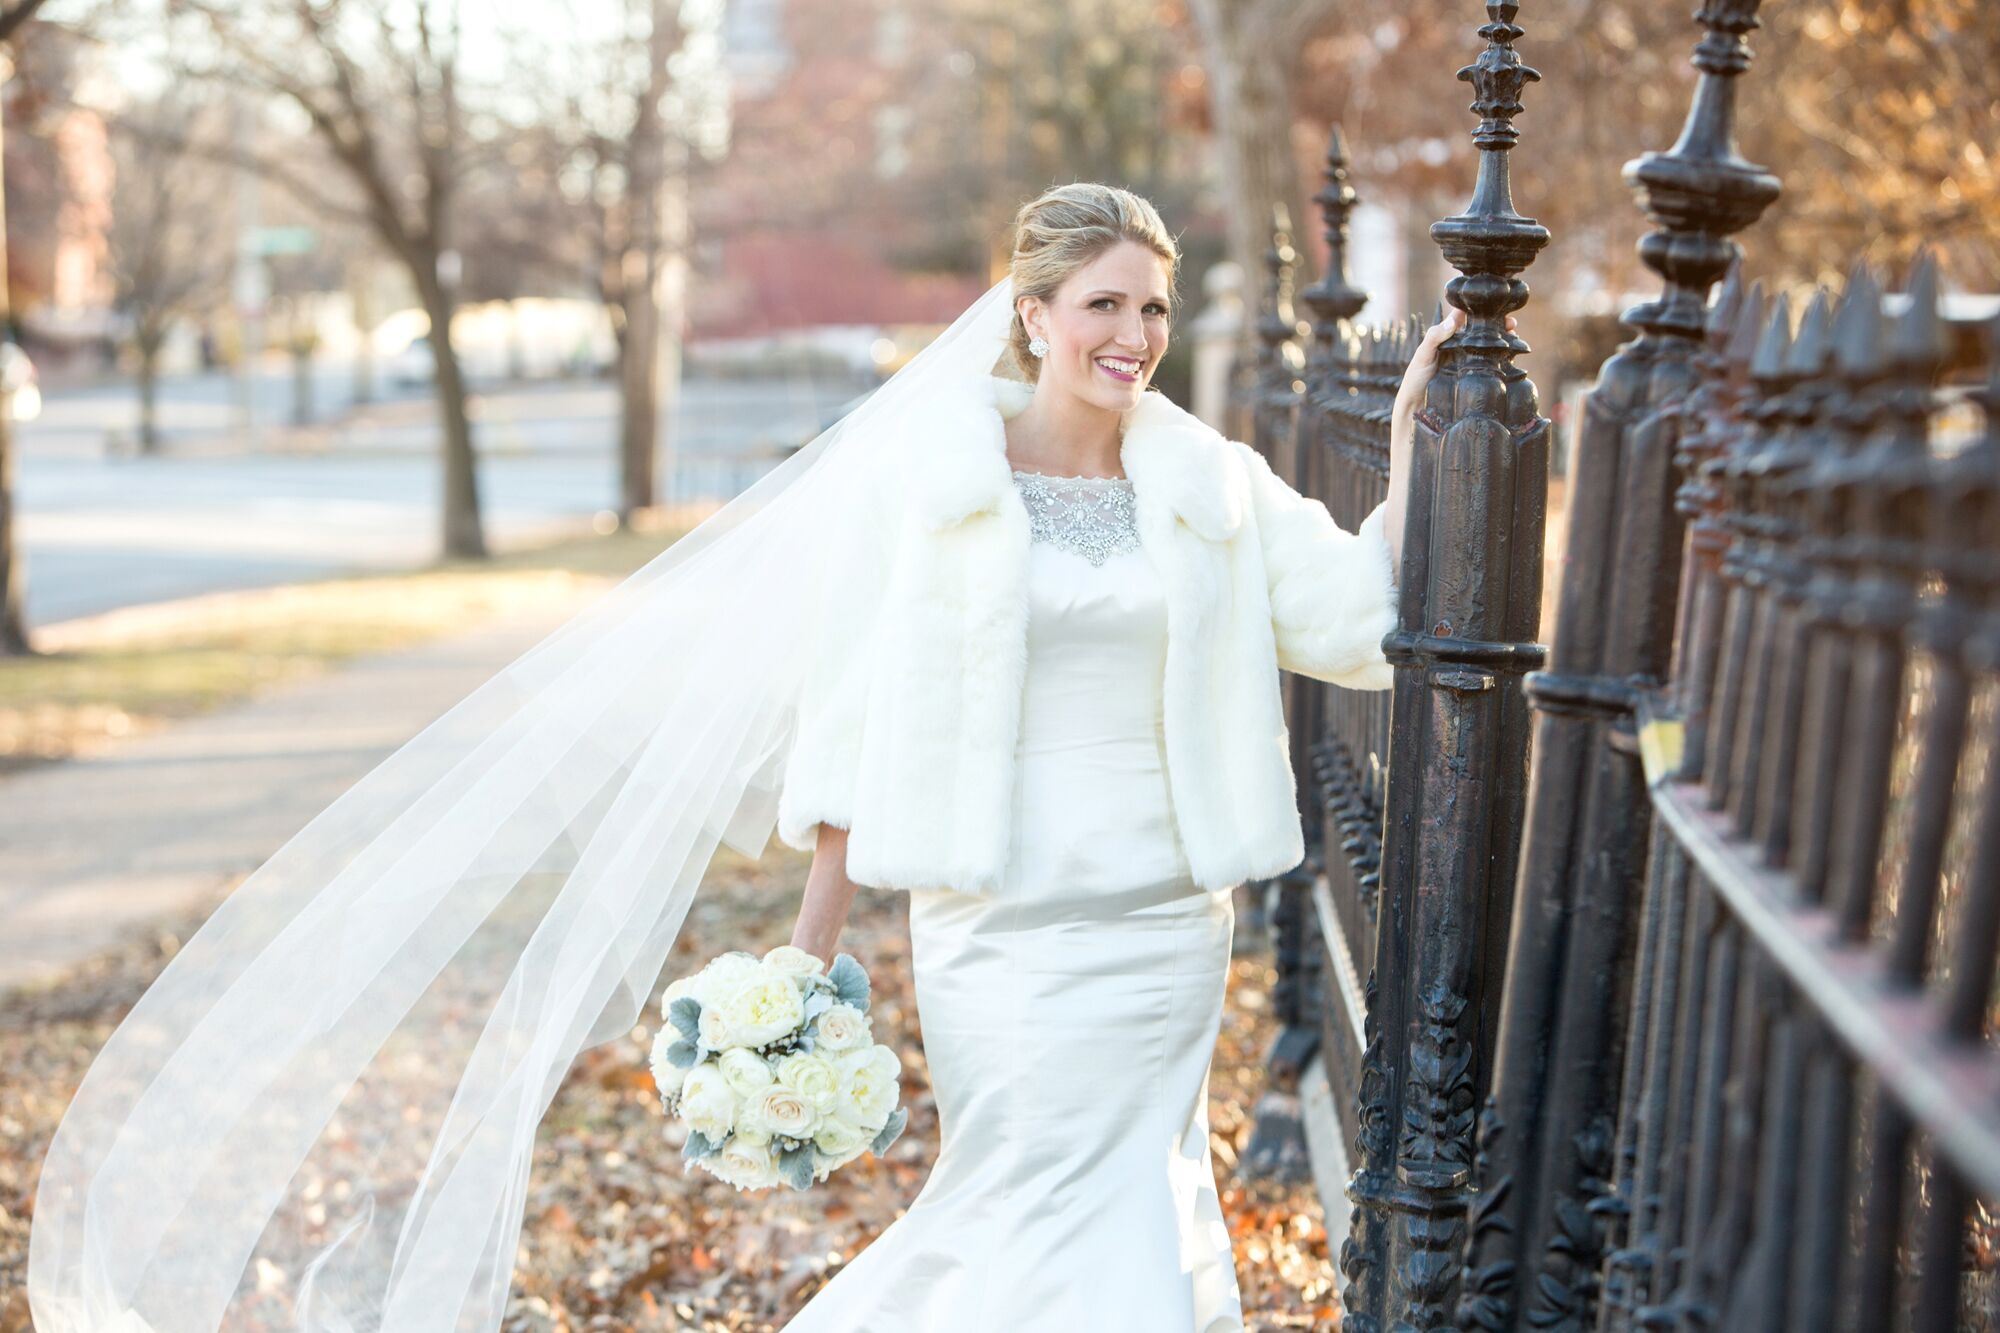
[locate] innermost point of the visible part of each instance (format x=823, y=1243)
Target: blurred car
x=415, y=364
x=19, y=379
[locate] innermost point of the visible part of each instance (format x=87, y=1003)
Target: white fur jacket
x=907, y=719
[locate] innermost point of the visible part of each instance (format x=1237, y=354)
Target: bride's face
x=1112, y=310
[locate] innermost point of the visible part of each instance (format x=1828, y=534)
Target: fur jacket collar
x=908, y=717
x=1177, y=462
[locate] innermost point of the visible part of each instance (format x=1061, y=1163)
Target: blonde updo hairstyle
x=1065, y=228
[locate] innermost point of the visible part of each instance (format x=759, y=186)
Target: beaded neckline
x=1096, y=517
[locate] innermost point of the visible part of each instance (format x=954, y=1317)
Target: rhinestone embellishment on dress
x=1092, y=516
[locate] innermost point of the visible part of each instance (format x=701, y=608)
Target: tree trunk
x=1251, y=82
x=639, y=382
x=149, y=397
x=464, y=533
x=643, y=266
x=302, y=386
x=14, y=641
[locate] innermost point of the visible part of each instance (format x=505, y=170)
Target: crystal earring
x=1038, y=345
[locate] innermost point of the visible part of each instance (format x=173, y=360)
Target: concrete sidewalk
x=94, y=848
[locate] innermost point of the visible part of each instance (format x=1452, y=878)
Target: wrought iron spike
x=1769, y=361
x=1918, y=344
x=1857, y=332
x=1812, y=348
x=1749, y=323
x=1722, y=314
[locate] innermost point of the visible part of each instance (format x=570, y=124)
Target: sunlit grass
x=133, y=671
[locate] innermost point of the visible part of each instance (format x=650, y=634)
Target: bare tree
x=1253, y=49
x=14, y=639
x=168, y=257
x=622, y=121
x=379, y=84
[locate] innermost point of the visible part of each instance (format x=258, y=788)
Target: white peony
x=781, y=1110
x=746, y=1072
x=793, y=962
x=811, y=1076
x=868, y=1086
x=675, y=990
x=840, y=1141
x=744, y=1164
x=761, y=1010
x=707, y=1104
x=842, y=1028
x=666, y=1073
x=724, y=973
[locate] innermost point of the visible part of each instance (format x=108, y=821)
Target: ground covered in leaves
x=618, y=1236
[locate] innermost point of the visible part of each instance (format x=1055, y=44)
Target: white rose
x=746, y=1072
x=780, y=1110
x=793, y=962
x=762, y=1010
x=707, y=1104
x=868, y=1086
x=744, y=1164
x=724, y=973
x=842, y=1028
x=713, y=1029
x=812, y=1077
x=666, y=1073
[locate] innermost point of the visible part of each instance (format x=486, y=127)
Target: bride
x=1006, y=637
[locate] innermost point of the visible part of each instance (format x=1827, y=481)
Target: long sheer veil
x=342, y=1072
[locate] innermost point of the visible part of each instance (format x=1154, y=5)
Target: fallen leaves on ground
x=618, y=1237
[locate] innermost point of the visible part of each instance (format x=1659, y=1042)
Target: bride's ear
x=1023, y=306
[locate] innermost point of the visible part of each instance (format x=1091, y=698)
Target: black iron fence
x=1730, y=1048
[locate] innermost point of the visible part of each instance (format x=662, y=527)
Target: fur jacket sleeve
x=1333, y=592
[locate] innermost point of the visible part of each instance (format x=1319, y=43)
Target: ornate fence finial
x=1701, y=191
x=1333, y=298
x=1277, y=326
x=1489, y=242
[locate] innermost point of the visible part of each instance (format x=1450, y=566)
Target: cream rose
x=666, y=1073
x=868, y=1086
x=781, y=1110
x=842, y=1028
x=746, y=1072
x=812, y=1077
x=761, y=1010
x=744, y=1164
x=793, y=962
x=707, y=1104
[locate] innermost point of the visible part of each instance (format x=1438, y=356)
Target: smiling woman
x=1094, y=275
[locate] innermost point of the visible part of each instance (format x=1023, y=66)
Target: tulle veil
x=342, y=1072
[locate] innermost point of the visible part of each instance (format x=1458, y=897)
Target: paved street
x=103, y=530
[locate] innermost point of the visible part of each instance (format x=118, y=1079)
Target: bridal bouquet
x=772, y=1065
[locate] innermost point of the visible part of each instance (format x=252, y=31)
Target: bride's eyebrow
x=1108, y=291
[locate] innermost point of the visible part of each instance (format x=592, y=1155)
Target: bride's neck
x=1063, y=434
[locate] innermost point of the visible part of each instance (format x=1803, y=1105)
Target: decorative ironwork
x=1570, y=968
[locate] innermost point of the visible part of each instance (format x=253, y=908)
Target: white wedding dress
x=1069, y=1019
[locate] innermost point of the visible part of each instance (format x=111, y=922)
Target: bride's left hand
x=1402, y=423
x=1424, y=361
